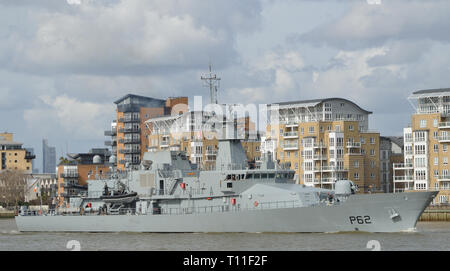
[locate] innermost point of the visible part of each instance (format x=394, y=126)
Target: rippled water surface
x=428, y=236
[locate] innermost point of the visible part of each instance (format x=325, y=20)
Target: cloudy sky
x=64, y=62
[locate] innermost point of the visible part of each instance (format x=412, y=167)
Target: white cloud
x=69, y=116
x=373, y=25
x=132, y=37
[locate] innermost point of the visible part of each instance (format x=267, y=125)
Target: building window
x=372, y=164
x=436, y=148
x=445, y=161
x=420, y=136
x=311, y=130
x=356, y=176
x=435, y=123
x=372, y=140
x=423, y=123
x=372, y=175
x=420, y=162
x=436, y=161
x=419, y=149
x=350, y=127
x=372, y=152
x=356, y=164
x=444, y=147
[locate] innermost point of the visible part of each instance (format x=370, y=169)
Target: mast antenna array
x=212, y=82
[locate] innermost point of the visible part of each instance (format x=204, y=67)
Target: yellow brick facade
x=357, y=153
x=13, y=156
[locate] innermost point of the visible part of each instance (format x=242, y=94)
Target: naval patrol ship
x=167, y=195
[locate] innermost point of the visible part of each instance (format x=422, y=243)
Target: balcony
x=444, y=125
x=327, y=181
x=353, y=144
x=402, y=166
x=321, y=181
x=319, y=146
x=319, y=157
x=290, y=135
x=211, y=152
x=329, y=169
x=164, y=144
x=444, y=138
x=129, y=140
x=291, y=123
x=134, y=119
x=128, y=151
x=401, y=179
x=74, y=185
x=130, y=130
x=110, y=143
x=66, y=175
x=444, y=178
x=210, y=158
x=110, y=133
x=290, y=146
x=29, y=155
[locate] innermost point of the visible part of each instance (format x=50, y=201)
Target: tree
x=12, y=187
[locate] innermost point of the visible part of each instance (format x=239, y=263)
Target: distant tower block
x=212, y=82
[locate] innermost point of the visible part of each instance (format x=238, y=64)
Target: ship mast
x=212, y=82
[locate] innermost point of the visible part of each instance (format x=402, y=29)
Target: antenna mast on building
x=213, y=82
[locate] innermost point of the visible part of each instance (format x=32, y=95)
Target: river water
x=428, y=236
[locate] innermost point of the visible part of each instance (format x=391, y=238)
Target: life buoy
x=256, y=204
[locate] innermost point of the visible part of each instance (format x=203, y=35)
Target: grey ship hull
x=370, y=213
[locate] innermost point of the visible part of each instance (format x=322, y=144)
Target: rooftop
x=314, y=102
x=428, y=91
x=139, y=97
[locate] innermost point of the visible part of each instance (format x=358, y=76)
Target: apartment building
x=325, y=140
x=74, y=172
x=426, y=146
x=128, y=137
x=13, y=155
x=391, y=152
x=197, y=133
